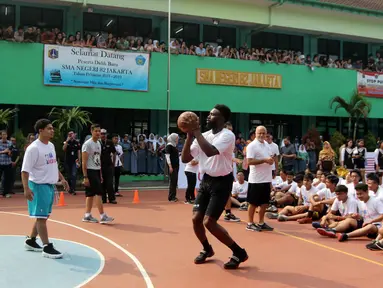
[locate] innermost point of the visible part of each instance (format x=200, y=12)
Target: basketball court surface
x=152, y=244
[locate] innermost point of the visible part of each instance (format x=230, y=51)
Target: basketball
x=187, y=121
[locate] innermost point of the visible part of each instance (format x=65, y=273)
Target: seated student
x=366, y=223
x=318, y=177
x=291, y=197
x=373, y=185
x=342, y=208
x=323, y=199
x=285, y=185
x=239, y=192
x=291, y=213
x=321, y=184
x=356, y=178
x=277, y=180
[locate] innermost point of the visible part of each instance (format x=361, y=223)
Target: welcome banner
x=370, y=84
x=95, y=68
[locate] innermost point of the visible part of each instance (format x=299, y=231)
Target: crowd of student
x=177, y=46
x=338, y=206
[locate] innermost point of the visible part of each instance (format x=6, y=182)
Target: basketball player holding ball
x=214, y=150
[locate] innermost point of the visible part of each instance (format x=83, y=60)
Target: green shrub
x=370, y=142
x=337, y=140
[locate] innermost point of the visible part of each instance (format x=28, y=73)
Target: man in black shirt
x=108, y=152
x=72, y=149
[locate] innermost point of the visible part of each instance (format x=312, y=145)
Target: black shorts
x=259, y=193
x=95, y=185
x=213, y=194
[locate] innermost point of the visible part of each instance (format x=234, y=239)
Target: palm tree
x=356, y=107
x=70, y=119
x=6, y=116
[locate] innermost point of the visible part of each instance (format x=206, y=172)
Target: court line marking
x=325, y=246
x=140, y=267
x=100, y=255
x=119, y=204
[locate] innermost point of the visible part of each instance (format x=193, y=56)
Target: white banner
x=95, y=68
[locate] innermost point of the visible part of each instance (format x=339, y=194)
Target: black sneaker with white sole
x=203, y=255
x=235, y=260
x=50, y=252
x=231, y=217
x=253, y=227
x=30, y=244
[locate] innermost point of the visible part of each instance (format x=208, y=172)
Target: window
x=42, y=17
x=222, y=35
x=121, y=25
x=7, y=15
x=355, y=51
x=186, y=32
x=277, y=41
x=329, y=47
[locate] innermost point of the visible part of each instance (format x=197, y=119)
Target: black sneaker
x=235, y=260
x=265, y=227
x=253, y=227
x=30, y=244
x=231, y=217
x=342, y=237
x=50, y=252
x=375, y=246
x=203, y=255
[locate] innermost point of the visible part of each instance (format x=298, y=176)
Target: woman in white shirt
x=191, y=172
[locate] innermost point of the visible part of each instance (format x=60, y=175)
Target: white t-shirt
x=326, y=194
x=306, y=194
x=119, y=153
x=221, y=164
x=274, y=151
x=320, y=186
x=276, y=181
x=345, y=208
x=372, y=209
x=294, y=188
x=240, y=189
x=378, y=194
x=351, y=190
x=41, y=163
x=191, y=168
x=261, y=173
x=94, y=154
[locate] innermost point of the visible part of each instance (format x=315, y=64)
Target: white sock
x=102, y=215
x=87, y=214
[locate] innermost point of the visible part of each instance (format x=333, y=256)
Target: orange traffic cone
x=61, y=200
x=136, y=199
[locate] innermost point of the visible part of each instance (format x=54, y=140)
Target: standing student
x=191, y=172
x=91, y=169
x=214, y=150
x=173, y=160
x=260, y=159
x=72, y=149
x=39, y=174
x=108, y=159
x=119, y=163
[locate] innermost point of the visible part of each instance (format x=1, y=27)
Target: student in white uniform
x=118, y=163
x=239, y=191
x=214, y=150
x=378, y=153
x=342, y=208
x=39, y=174
x=274, y=151
x=191, y=172
x=373, y=185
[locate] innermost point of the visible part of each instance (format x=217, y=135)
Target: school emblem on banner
x=53, y=53
x=140, y=60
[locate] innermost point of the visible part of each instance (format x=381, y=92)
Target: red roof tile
x=373, y=5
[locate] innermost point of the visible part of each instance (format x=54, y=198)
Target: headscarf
x=172, y=139
x=153, y=141
x=302, y=148
x=161, y=141
x=326, y=154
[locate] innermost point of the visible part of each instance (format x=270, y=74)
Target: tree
x=6, y=116
x=356, y=107
x=69, y=119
